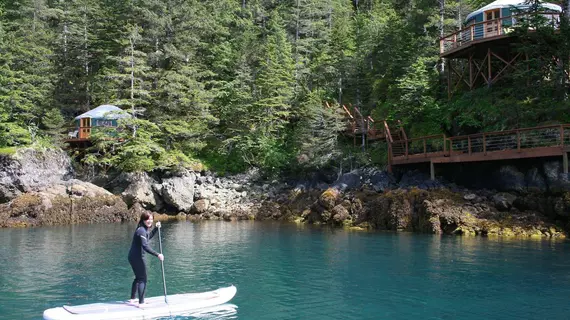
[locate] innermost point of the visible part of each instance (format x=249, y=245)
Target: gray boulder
x=555, y=178
x=178, y=191
x=504, y=201
x=140, y=190
x=381, y=181
x=535, y=181
x=350, y=180
x=201, y=206
x=509, y=178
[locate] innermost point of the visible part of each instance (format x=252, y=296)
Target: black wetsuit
x=137, y=259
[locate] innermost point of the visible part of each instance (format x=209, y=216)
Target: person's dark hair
x=144, y=217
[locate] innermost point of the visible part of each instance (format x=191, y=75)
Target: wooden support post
x=431, y=170
x=484, y=145
x=471, y=81
x=562, y=136
x=489, y=72
x=425, y=148
x=354, y=134
x=518, y=141
x=407, y=157
x=389, y=157
x=449, y=82
x=527, y=70
x=565, y=162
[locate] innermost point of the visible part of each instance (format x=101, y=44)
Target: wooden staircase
x=358, y=125
x=397, y=144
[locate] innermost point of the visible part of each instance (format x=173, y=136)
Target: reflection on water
x=288, y=271
x=221, y=312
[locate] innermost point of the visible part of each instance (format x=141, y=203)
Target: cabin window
x=492, y=25
x=493, y=14
x=104, y=123
x=85, y=122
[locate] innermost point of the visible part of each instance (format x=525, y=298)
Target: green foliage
x=25, y=65
x=233, y=84
x=133, y=146
x=318, y=129
x=274, y=83
x=222, y=161
x=11, y=134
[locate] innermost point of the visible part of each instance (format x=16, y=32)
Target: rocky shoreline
x=42, y=188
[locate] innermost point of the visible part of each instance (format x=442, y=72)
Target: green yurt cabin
x=103, y=116
x=493, y=18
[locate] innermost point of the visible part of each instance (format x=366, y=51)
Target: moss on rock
x=38, y=209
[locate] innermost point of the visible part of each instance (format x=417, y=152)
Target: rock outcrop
x=37, y=189
x=429, y=211
x=73, y=202
x=31, y=170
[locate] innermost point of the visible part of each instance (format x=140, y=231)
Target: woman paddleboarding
x=137, y=255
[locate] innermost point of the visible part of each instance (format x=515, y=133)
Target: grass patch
x=8, y=151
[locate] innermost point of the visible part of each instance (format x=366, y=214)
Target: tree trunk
x=340, y=90
x=132, y=40
x=86, y=58
x=297, y=47
x=441, y=27
x=459, y=15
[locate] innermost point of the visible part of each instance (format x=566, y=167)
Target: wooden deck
x=463, y=40
x=536, y=142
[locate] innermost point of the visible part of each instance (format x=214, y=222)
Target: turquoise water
x=285, y=271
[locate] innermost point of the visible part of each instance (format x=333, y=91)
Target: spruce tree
x=27, y=84
x=275, y=81
x=76, y=53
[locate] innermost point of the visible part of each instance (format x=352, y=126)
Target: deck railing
x=84, y=133
x=428, y=145
x=77, y=133
x=509, y=141
x=489, y=29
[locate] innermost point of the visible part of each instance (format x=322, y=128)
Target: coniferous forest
x=231, y=84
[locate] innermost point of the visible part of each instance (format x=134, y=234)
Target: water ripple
x=285, y=271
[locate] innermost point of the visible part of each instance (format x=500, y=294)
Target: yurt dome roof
x=105, y=111
x=521, y=4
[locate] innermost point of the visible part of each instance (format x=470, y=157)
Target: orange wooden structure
x=482, y=53
x=536, y=142
x=358, y=125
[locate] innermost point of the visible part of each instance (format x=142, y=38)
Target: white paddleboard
x=152, y=308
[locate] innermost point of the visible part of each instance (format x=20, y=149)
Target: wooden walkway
x=536, y=142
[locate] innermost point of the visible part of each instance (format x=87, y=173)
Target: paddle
x=162, y=265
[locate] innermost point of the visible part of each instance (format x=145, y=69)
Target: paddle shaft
x=162, y=265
